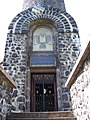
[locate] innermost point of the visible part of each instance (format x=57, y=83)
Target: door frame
x=33, y=91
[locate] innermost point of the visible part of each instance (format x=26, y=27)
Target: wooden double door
x=43, y=92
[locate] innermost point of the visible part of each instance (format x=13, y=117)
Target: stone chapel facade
x=41, y=50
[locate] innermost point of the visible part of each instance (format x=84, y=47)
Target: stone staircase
x=42, y=116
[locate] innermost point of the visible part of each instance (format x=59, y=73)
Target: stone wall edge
x=78, y=66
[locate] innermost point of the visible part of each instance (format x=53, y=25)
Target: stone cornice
x=78, y=66
x=6, y=77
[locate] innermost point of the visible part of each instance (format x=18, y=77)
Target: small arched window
x=42, y=39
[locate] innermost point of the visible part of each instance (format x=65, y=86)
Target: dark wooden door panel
x=44, y=92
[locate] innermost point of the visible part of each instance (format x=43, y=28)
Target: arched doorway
x=43, y=89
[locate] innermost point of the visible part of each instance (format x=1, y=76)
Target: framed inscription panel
x=42, y=39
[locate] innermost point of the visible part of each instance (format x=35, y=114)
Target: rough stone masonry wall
x=5, y=99
x=68, y=51
x=46, y=3
x=15, y=65
x=80, y=94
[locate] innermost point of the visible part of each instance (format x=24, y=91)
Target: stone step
x=41, y=116
x=61, y=118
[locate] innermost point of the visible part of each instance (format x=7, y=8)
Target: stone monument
x=41, y=49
